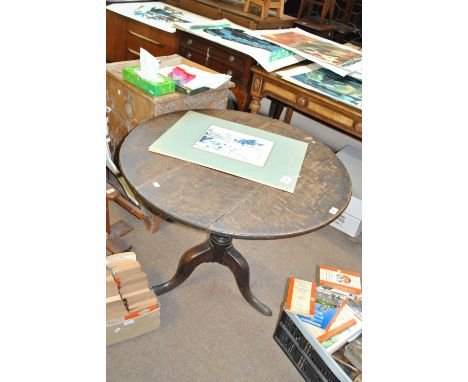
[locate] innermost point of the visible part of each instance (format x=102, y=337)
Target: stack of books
x=127, y=288
x=332, y=310
x=132, y=308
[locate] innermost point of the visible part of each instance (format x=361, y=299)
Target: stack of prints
x=157, y=14
x=313, y=77
x=338, y=58
x=268, y=54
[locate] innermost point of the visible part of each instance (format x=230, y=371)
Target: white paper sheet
x=271, y=57
x=162, y=19
x=235, y=145
x=330, y=55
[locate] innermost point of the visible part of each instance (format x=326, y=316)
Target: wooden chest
x=131, y=106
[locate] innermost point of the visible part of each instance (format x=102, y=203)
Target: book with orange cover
x=340, y=279
x=301, y=297
x=338, y=329
x=339, y=339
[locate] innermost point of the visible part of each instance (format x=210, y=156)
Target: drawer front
x=220, y=66
x=230, y=58
x=192, y=42
x=194, y=55
x=155, y=41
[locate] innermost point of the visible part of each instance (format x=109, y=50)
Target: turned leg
x=254, y=106
x=195, y=256
x=288, y=114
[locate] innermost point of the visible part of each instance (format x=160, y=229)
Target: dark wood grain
x=228, y=205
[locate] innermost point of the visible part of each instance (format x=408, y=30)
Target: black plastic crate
x=306, y=353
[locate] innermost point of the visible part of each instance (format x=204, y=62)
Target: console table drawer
x=229, y=58
x=155, y=41
x=194, y=55
x=193, y=42
x=220, y=66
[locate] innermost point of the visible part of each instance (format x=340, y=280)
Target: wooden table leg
x=114, y=241
x=219, y=250
x=288, y=114
x=254, y=105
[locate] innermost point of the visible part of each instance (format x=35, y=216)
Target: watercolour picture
x=315, y=48
x=345, y=89
x=235, y=145
x=165, y=14
x=238, y=35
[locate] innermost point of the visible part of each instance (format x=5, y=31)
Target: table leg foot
x=195, y=256
x=240, y=268
x=219, y=250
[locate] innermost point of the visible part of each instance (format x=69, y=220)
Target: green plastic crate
x=167, y=86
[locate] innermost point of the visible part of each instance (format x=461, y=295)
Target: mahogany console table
x=325, y=109
x=227, y=206
x=223, y=60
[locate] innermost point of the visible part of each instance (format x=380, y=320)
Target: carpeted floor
x=208, y=332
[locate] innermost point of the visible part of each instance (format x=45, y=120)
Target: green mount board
x=281, y=169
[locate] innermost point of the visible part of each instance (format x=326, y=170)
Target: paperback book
x=340, y=279
x=301, y=297
x=336, y=341
x=327, y=306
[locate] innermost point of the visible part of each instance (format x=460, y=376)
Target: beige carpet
x=208, y=332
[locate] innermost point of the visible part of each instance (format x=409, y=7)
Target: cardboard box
x=145, y=322
x=122, y=324
x=350, y=221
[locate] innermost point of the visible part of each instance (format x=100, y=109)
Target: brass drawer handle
x=229, y=72
x=144, y=38
x=133, y=52
x=189, y=55
x=231, y=58
x=189, y=41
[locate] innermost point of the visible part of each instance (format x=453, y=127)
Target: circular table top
x=228, y=205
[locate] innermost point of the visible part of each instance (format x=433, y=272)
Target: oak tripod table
x=227, y=206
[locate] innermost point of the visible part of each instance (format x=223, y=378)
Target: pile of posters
x=269, y=55
x=157, y=14
x=338, y=58
x=313, y=77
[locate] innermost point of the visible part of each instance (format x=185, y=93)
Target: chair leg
x=280, y=9
x=301, y=8
x=246, y=6
x=325, y=7
x=265, y=9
